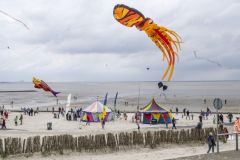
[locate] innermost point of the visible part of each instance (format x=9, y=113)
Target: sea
x=131, y=95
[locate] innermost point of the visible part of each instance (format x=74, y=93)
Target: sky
x=79, y=40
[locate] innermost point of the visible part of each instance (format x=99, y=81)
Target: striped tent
x=93, y=112
x=155, y=114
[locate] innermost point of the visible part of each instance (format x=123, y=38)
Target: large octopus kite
x=166, y=40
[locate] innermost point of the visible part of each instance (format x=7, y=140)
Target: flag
x=115, y=100
x=104, y=113
x=105, y=100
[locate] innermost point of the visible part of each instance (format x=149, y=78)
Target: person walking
x=211, y=142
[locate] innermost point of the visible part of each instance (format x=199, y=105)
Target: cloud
x=72, y=40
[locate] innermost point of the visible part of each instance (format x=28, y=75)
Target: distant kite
x=8, y=15
x=166, y=40
x=206, y=59
x=40, y=84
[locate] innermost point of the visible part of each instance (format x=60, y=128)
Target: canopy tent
x=154, y=113
x=93, y=112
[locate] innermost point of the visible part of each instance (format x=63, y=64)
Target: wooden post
x=236, y=141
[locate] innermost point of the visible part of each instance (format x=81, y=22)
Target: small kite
x=206, y=59
x=166, y=40
x=40, y=84
x=161, y=85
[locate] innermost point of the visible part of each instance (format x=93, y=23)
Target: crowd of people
x=29, y=111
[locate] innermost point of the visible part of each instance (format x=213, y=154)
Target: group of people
x=74, y=114
x=3, y=118
x=186, y=113
x=30, y=111
x=20, y=119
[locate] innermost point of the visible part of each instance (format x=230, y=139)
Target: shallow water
x=183, y=93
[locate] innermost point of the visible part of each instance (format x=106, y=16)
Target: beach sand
x=37, y=125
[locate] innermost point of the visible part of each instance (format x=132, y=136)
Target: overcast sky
x=79, y=40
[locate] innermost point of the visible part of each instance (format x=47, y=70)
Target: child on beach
x=214, y=119
x=138, y=127
x=16, y=120
x=88, y=120
x=102, y=122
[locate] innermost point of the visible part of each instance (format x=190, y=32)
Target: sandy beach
x=37, y=125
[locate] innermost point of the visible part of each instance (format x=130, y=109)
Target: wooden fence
x=101, y=142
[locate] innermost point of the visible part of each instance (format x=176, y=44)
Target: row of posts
x=101, y=142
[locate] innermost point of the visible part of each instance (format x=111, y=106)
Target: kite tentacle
x=164, y=39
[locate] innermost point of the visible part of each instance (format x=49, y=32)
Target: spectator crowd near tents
x=152, y=113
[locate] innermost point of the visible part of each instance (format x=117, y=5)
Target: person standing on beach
x=188, y=116
x=21, y=119
x=207, y=114
x=177, y=110
x=102, y=122
x=211, y=142
x=4, y=124
x=174, y=123
x=200, y=118
x=192, y=116
x=88, y=120
x=214, y=119
x=221, y=118
x=230, y=116
x=165, y=119
x=184, y=111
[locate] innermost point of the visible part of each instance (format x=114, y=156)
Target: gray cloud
x=78, y=37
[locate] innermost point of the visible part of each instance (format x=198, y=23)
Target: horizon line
x=121, y=81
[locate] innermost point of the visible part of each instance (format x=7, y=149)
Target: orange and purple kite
x=40, y=84
x=166, y=40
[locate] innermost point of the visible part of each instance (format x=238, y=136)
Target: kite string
x=8, y=15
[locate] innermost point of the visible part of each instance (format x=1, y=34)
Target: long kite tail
x=55, y=93
x=167, y=41
x=8, y=15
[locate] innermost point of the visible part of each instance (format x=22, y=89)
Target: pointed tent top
x=153, y=107
x=96, y=107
